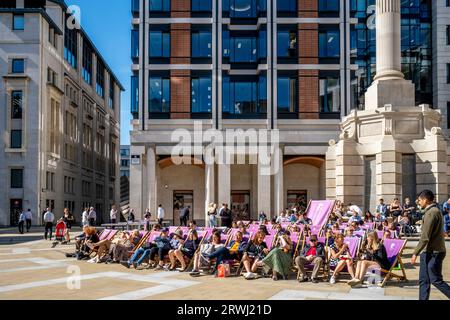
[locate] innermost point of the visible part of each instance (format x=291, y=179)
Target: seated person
x=373, y=255
x=386, y=235
x=176, y=239
x=234, y=225
x=120, y=248
x=349, y=232
x=233, y=252
x=378, y=218
x=335, y=229
x=356, y=226
x=279, y=259
x=156, y=227
x=447, y=224
x=312, y=253
x=263, y=228
x=79, y=242
x=160, y=245
x=206, y=249
x=187, y=249
x=193, y=225
x=90, y=239
x=254, y=253
x=368, y=217
x=329, y=236
x=355, y=217
x=303, y=219
x=340, y=257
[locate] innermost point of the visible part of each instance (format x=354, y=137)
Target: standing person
x=212, y=215
x=49, y=218
x=85, y=217
x=262, y=216
x=381, y=208
x=22, y=219
x=92, y=217
x=431, y=248
x=113, y=215
x=184, y=214
x=446, y=207
x=68, y=220
x=131, y=216
x=147, y=219
x=28, y=216
x=226, y=217
x=161, y=214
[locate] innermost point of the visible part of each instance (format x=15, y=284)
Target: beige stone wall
x=182, y=178
x=244, y=177
x=303, y=177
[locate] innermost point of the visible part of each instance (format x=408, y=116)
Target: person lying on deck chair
x=79, y=242
x=201, y=257
x=90, y=239
x=187, y=249
x=373, y=255
x=254, y=253
x=175, y=244
x=340, y=257
x=119, y=248
x=233, y=252
x=160, y=245
x=312, y=253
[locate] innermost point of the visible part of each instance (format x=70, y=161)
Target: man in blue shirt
x=446, y=207
x=447, y=224
x=381, y=208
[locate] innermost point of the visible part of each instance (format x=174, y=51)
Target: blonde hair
x=376, y=240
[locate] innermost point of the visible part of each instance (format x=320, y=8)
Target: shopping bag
x=223, y=270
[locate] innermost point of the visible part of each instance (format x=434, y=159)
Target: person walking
x=92, y=217
x=113, y=215
x=160, y=215
x=28, y=217
x=212, y=214
x=226, y=216
x=85, y=217
x=49, y=218
x=147, y=219
x=22, y=219
x=69, y=220
x=184, y=216
x=431, y=248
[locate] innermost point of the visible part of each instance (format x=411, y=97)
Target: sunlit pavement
x=31, y=269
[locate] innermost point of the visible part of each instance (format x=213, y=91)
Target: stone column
x=264, y=192
x=209, y=188
x=389, y=167
x=224, y=184
x=388, y=32
x=152, y=180
x=136, y=180
x=278, y=192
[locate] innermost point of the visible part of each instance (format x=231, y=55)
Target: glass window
x=287, y=44
x=329, y=90
x=135, y=6
x=329, y=44
x=287, y=94
x=100, y=83
x=18, y=22
x=201, y=5
x=329, y=5
x=134, y=44
x=244, y=96
x=16, y=139
x=159, y=5
x=201, y=94
x=287, y=5
x=87, y=62
x=16, y=178
x=16, y=104
x=112, y=85
x=159, y=94
x=201, y=44
x=246, y=48
x=134, y=96
x=18, y=66
x=71, y=46
x=159, y=44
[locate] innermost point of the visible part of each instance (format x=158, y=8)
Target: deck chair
x=353, y=248
x=104, y=233
x=394, y=249
x=236, y=264
x=319, y=211
x=309, y=267
x=108, y=236
x=203, y=236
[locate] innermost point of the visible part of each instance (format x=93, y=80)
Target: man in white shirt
x=160, y=215
x=28, y=217
x=22, y=219
x=92, y=217
x=113, y=214
x=49, y=218
x=85, y=217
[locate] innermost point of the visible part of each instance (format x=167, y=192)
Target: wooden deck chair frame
x=274, y=241
x=358, y=248
x=398, y=261
x=94, y=250
x=191, y=261
x=324, y=264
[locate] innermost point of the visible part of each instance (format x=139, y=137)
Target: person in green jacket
x=431, y=248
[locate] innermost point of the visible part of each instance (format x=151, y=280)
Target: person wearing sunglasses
x=313, y=253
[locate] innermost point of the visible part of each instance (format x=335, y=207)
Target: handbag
x=207, y=249
x=223, y=270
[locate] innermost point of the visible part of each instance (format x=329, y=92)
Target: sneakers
x=194, y=273
x=181, y=269
x=159, y=267
x=314, y=280
x=303, y=279
x=354, y=282
x=332, y=280
x=250, y=275
x=125, y=264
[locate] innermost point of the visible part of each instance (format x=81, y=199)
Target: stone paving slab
x=34, y=270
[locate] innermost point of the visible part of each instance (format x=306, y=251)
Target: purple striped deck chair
x=353, y=248
x=184, y=229
x=111, y=235
x=270, y=241
x=105, y=234
x=368, y=226
x=153, y=235
x=295, y=238
x=172, y=229
x=394, y=250
x=360, y=233
x=237, y=263
x=284, y=225
x=319, y=211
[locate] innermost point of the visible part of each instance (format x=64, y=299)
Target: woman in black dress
x=69, y=221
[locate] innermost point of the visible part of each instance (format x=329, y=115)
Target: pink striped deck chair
x=104, y=234
x=319, y=211
x=237, y=263
x=184, y=229
x=172, y=229
x=111, y=235
x=353, y=249
x=368, y=226
x=295, y=238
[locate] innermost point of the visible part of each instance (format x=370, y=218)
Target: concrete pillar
x=278, y=192
x=136, y=179
x=330, y=163
x=389, y=170
x=224, y=184
x=388, y=32
x=264, y=193
x=209, y=188
x=152, y=182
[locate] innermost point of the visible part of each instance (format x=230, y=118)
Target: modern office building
x=124, y=177
x=298, y=66
x=60, y=115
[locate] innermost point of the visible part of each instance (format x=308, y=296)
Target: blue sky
x=108, y=24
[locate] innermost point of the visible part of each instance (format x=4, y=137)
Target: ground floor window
x=297, y=199
x=240, y=205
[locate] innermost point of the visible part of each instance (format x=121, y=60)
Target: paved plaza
x=31, y=269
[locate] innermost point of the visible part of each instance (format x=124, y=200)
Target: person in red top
x=312, y=253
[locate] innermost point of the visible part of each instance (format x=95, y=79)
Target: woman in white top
x=206, y=249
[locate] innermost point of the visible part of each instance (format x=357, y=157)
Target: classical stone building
x=60, y=115
x=297, y=66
